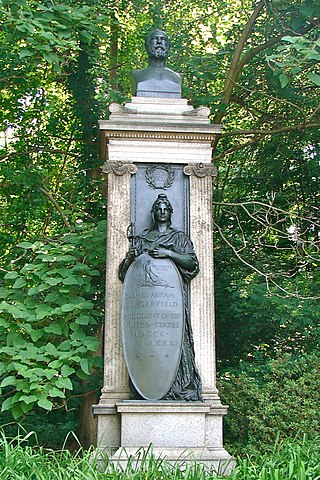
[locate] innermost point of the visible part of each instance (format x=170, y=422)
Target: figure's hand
x=159, y=252
x=132, y=254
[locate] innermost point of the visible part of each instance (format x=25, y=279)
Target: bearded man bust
x=157, y=80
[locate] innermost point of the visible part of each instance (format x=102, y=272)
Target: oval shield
x=152, y=324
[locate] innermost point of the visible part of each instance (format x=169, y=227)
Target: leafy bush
x=280, y=397
x=51, y=313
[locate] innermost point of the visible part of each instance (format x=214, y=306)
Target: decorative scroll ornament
x=197, y=112
x=160, y=177
x=120, y=109
x=201, y=170
x=119, y=168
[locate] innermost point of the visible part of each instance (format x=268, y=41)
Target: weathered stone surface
x=177, y=431
x=152, y=324
x=158, y=130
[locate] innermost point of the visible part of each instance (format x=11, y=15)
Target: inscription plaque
x=152, y=324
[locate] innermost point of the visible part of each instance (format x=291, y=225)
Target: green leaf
x=78, y=335
x=43, y=310
x=6, y=404
x=64, y=382
x=55, y=328
x=284, y=80
x=18, y=340
x=65, y=345
x=36, y=334
x=66, y=371
x=28, y=398
x=70, y=280
x=83, y=320
x=19, y=283
x=92, y=343
x=50, y=373
x=51, y=297
x=55, y=364
x=45, y=403
x=80, y=374
x=11, y=275
x=55, y=392
x=22, y=54
x=84, y=366
x=51, y=349
x=4, y=323
x=11, y=380
x=17, y=411
x=25, y=245
x=314, y=78
x=26, y=407
x=68, y=307
x=52, y=281
x=66, y=258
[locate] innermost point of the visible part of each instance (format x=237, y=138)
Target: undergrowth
x=290, y=460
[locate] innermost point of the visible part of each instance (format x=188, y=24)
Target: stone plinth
x=175, y=430
x=166, y=131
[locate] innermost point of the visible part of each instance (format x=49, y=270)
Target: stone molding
x=160, y=136
x=116, y=108
x=200, y=170
x=119, y=168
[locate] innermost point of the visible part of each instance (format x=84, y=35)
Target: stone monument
x=159, y=361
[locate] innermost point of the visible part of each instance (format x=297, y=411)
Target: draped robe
x=187, y=384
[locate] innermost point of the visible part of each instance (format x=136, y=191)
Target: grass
x=290, y=460
x=297, y=459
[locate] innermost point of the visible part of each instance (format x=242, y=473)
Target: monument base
x=174, y=431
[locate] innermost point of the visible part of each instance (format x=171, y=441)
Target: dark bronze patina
x=157, y=80
x=162, y=241
x=152, y=324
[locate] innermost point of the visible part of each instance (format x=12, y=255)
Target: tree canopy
x=256, y=66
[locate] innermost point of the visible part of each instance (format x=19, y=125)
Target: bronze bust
x=157, y=80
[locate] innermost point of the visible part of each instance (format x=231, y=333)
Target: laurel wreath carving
x=149, y=176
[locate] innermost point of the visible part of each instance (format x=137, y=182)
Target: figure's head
x=157, y=45
x=161, y=210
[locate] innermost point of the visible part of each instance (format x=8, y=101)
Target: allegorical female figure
x=163, y=241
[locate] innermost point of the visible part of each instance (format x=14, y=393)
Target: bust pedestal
x=161, y=131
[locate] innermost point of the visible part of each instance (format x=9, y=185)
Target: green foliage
x=296, y=54
x=271, y=399
x=49, y=32
x=61, y=64
x=291, y=460
x=51, y=312
x=256, y=319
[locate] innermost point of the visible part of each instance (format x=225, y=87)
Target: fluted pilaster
x=202, y=287
x=116, y=382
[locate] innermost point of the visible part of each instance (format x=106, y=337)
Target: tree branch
x=233, y=71
x=288, y=128
x=57, y=206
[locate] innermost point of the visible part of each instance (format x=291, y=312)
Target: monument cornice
x=159, y=135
